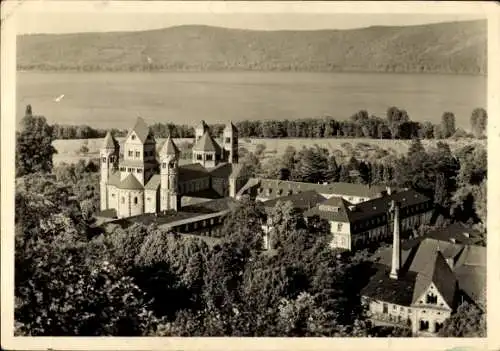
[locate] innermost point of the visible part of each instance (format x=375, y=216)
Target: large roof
x=192, y=171
x=339, y=188
x=141, y=129
x=422, y=265
x=302, y=201
x=368, y=209
x=153, y=183
x=207, y=144
x=131, y=183
x=114, y=178
x=396, y=291
x=169, y=148
x=456, y=232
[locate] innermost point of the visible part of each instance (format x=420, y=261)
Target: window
x=149, y=199
x=130, y=169
x=209, y=157
x=139, y=170
x=199, y=157
x=424, y=325
x=122, y=169
x=104, y=159
x=130, y=153
x=339, y=227
x=123, y=199
x=385, y=308
x=137, y=154
x=228, y=140
x=133, y=136
x=164, y=165
x=112, y=195
x=431, y=299
x=409, y=310
x=394, y=307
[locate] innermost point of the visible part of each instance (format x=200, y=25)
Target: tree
x=468, y=321
x=448, y=124
x=416, y=148
x=479, y=120
x=34, y=148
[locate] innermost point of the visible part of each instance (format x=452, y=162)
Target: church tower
x=108, y=155
x=200, y=130
x=230, y=143
x=169, y=176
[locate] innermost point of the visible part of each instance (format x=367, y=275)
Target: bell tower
x=230, y=143
x=169, y=176
x=108, y=156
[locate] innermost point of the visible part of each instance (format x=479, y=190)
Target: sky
x=31, y=21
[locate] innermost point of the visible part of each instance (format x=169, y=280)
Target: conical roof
x=206, y=143
x=169, y=148
x=203, y=126
x=131, y=183
x=109, y=142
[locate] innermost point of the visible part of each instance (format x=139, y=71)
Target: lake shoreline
x=187, y=71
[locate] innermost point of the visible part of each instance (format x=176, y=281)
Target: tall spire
x=109, y=142
x=396, y=243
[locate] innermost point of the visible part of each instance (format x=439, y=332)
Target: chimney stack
x=396, y=243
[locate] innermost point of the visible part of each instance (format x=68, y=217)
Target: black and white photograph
x=222, y=169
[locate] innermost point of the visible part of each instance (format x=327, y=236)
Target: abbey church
x=141, y=180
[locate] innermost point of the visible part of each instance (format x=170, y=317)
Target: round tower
x=169, y=176
x=108, y=156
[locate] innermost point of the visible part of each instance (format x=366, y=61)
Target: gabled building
x=356, y=225
x=146, y=181
x=418, y=288
x=268, y=189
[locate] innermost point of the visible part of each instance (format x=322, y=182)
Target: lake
x=115, y=99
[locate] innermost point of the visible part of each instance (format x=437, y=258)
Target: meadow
x=369, y=149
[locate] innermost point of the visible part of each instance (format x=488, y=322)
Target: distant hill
x=457, y=47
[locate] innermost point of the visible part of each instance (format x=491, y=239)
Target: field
x=68, y=150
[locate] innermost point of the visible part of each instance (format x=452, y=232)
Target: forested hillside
x=458, y=47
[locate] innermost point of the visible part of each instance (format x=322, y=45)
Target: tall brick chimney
x=396, y=242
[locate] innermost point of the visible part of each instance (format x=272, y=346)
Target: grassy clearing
x=69, y=150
